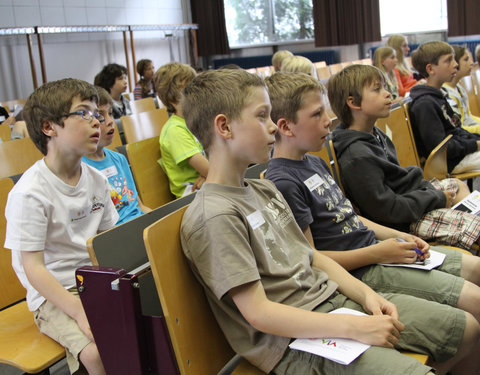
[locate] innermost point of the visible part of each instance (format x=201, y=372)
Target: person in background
x=457, y=96
x=403, y=72
x=278, y=57
x=183, y=158
x=113, y=78
x=114, y=165
x=385, y=59
x=298, y=64
x=144, y=87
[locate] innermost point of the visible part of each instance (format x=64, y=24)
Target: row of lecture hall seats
x=324, y=71
x=154, y=310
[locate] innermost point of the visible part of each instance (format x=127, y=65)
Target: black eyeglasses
x=87, y=115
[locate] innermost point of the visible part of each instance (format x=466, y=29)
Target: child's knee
x=90, y=356
x=471, y=335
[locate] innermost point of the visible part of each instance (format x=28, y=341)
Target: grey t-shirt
x=236, y=235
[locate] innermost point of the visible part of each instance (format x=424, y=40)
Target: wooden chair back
x=367, y=61
x=335, y=68
x=150, y=179
x=143, y=125
x=323, y=73
x=436, y=164
x=142, y=105
x=11, y=290
x=5, y=133
x=265, y=71
x=17, y=156
x=470, y=86
x=398, y=129
x=198, y=342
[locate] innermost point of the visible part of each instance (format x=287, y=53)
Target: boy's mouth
x=111, y=132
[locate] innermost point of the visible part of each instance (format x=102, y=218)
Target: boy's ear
x=222, y=126
x=48, y=129
x=429, y=69
x=285, y=127
x=351, y=103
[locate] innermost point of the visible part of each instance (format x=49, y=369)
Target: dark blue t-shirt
x=317, y=201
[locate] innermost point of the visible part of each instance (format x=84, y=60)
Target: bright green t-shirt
x=177, y=145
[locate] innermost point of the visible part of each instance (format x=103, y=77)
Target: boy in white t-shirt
x=54, y=208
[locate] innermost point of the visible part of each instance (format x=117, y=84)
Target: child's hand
x=383, y=327
x=379, y=330
x=393, y=251
x=198, y=183
x=449, y=198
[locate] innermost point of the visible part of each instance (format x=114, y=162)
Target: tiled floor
x=60, y=368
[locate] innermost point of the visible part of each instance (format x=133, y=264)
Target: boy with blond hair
x=327, y=218
x=433, y=118
x=183, y=158
x=55, y=207
x=263, y=280
x=278, y=58
x=377, y=185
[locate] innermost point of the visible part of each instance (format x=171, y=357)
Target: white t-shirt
x=44, y=213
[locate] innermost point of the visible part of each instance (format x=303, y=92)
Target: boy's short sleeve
x=26, y=223
x=221, y=253
x=181, y=143
x=297, y=201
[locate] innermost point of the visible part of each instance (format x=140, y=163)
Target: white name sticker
x=255, y=219
x=314, y=182
x=110, y=171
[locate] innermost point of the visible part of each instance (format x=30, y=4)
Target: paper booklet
x=471, y=203
x=435, y=260
x=342, y=351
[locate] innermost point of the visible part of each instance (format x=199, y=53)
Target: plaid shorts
x=447, y=226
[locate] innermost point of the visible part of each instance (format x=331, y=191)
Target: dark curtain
x=212, y=32
x=344, y=22
x=463, y=17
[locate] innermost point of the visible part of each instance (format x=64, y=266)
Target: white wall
x=82, y=55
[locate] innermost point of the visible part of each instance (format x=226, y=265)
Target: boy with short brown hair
x=433, y=118
x=55, y=207
x=377, y=185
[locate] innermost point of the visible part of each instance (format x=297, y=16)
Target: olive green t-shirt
x=235, y=235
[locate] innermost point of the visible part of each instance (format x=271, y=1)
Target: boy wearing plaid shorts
x=55, y=207
x=377, y=185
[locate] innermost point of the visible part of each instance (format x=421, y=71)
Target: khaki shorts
x=430, y=328
x=54, y=323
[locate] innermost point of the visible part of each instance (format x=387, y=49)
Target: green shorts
x=430, y=328
x=54, y=323
x=442, y=285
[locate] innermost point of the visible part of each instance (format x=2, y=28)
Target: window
x=268, y=21
x=411, y=16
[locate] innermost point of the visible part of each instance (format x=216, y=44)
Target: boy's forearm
x=200, y=163
x=381, y=232
x=286, y=321
x=49, y=287
x=347, y=284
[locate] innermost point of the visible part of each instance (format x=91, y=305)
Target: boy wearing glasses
x=54, y=208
